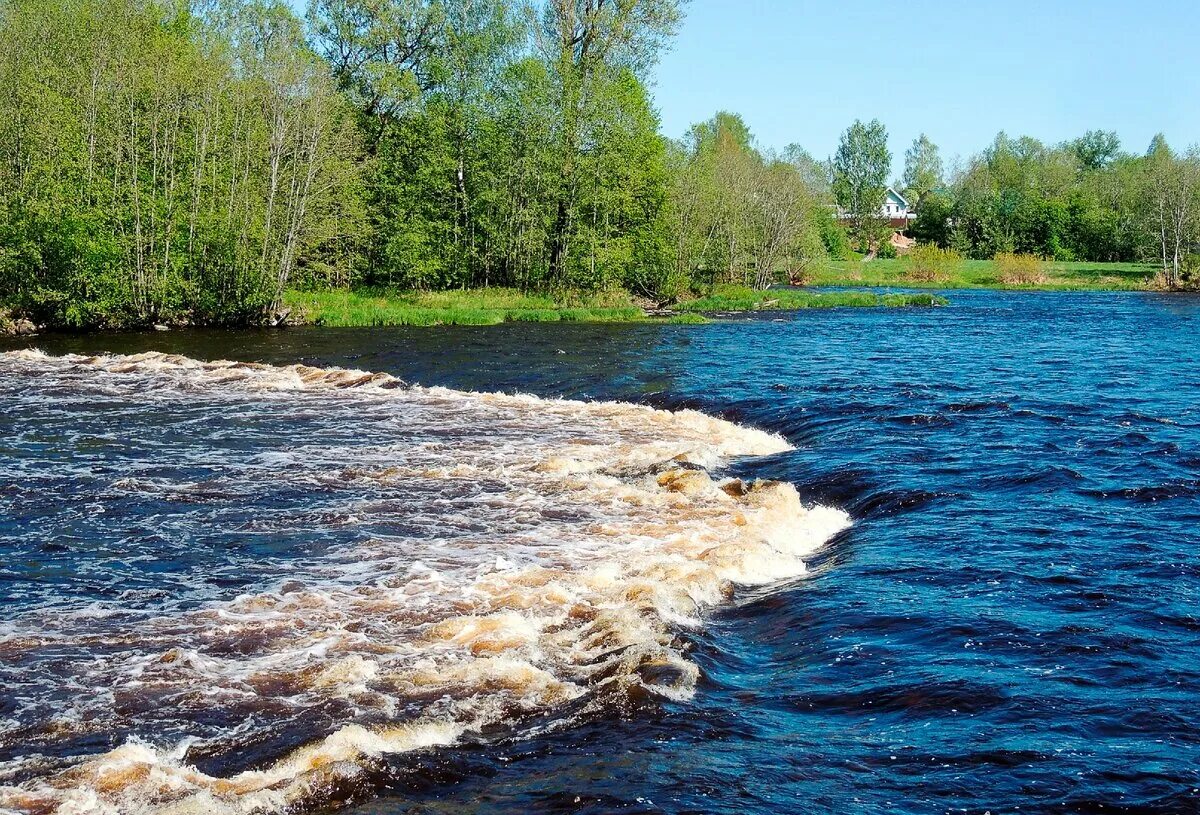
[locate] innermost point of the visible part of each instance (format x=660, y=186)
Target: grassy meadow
x=499, y=305
x=983, y=274
x=382, y=307
x=455, y=307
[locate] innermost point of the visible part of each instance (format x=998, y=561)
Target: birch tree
x=860, y=170
x=1173, y=195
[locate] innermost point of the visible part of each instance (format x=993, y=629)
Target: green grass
x=458, y=307
x=493, y=306
x=737, y=298
x=981, y=274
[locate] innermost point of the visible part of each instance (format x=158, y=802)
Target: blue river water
x=1012, y=623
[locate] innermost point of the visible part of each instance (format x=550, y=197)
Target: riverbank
x=457, y=307
x=494, y=306
x=983, y=274
x=736, y=298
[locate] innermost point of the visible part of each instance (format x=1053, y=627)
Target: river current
x=908, y=560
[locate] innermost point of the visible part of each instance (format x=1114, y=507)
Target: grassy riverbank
x=736, y=298
x=983, y=274
x=493, y=306
x=458, y=307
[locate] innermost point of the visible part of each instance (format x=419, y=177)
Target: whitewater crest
x=522, y=560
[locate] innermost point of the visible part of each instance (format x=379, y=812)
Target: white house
x=895, y=210
x=896, y=207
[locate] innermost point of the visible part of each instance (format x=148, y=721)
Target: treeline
x=165, y=161
x=741, y=215
x=1086, y=200
x=154, y=162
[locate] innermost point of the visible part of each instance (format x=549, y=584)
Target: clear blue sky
x=801, y=70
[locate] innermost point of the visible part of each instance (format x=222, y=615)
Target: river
x=967, y=581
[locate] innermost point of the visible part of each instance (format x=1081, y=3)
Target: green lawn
x=981, y=274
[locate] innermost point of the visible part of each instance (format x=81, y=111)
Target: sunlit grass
x=359, y=308
x=458, y=307
x=983, y=274
x=738, y=298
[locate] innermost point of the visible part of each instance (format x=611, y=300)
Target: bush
x=912, y=300
x=1189, y=269
x=1019, y=270
x=837, y=244
x=931, y=264
x=886, y=251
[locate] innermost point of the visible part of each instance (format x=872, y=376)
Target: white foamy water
x=521, y=560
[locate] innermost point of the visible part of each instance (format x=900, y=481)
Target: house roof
x=899, y=197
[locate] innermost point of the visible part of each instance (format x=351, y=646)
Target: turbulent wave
x=554, y=549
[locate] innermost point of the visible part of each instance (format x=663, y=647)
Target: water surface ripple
x=1010, y=625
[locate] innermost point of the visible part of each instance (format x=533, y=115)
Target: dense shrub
x=928, y=263
x=1189, y=269
x=837, y=244
x=1020, y=270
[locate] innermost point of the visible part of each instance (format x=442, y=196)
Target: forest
x=162, y=161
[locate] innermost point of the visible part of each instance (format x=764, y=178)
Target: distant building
x=895, y=210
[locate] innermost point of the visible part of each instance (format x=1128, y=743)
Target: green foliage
x=1083, y=200
x=1190, y=269
x=740, y=215
x=501, y=155
x=922, y=169
x=921, y=300
x=1096, y=149
x=834, y=239
x=932, y=224
x=860, y=169
x=156, y=165
x=163, y=162
x=381, y=307
x=977, y=274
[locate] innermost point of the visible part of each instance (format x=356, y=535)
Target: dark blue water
x=1012, y=625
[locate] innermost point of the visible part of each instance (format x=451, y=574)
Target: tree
x=860, y=169
x=161, y=165
x=707, y=197
x=932, y=224
x=1020, y=195
x=381, y=53
x=1096, y=149
x=740, y=215
x=922, y=169
x=1172, y=190
x=588, y=44
x=784, y=212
